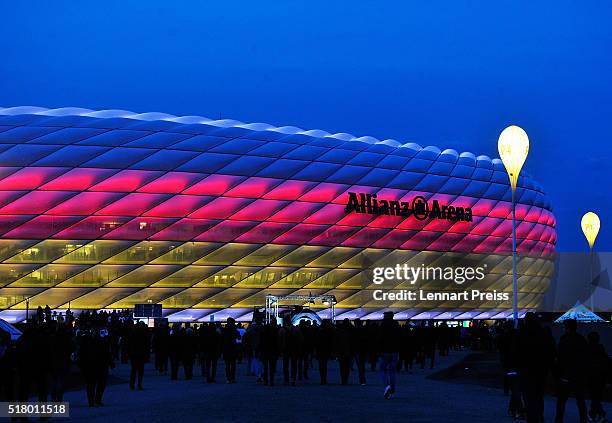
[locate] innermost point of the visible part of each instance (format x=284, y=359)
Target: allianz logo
x=419, y=207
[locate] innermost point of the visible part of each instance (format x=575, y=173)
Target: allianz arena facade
x=108, y=209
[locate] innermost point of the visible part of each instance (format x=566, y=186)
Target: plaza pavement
x=418, y=399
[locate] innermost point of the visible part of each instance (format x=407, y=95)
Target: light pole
x=513, y=147
x=590, y=224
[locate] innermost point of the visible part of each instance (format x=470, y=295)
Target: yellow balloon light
x=513, y=147
x=590, y=227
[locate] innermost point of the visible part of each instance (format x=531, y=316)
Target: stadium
x=108, y=209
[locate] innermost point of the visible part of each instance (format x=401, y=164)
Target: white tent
x=580, y=313
x=12, y=330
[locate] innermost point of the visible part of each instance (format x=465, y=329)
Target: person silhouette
x=572, y=359
x=599, y=369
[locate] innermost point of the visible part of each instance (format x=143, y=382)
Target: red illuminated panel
x=215, y=185
x=9, y=222
x=420, y=241
x=483, y=207
x=486, y=226
x=253, y=187
x=533, y=214
x=394, y=239
x=36, y=202
x=126, y=180
x=536, y=231
x=503, y=229
x=386, y=221
x=365, y=237
x=465, y=227
x=42, y=227
x=526, y=246
x=438, y=225
x=354, y=219
x=221, y=208
x=8, y=196
x=133, y=204
x=505, y=247
x=296, y=211
x=300, y=234
x=334, y=235
x=179, y=206
x=139, y=228
x=264, y=232
x=92, y=227
x=324, y=192
x=259, y=210
x=411, y=223
x=172, y=182
x=290, y=190
x=489, y=244
x=30, y=178
x=226, y=231
x=523, y=229
x=85, y=203
x=468, y=243
x=78, y=179
x=521, y=211
x=185, y=229
x=502, y=209
x=329, y=214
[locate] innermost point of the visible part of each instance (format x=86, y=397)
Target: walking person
x=230, y=336
x=389, y=348
x=508, y=353
x=188, y=352
x=291, y=341
x=160, y=348
x=324, y=339
x=175, y=341
x=95, y=359
x=599, y=371
x=536, y=353
x=212, y=348
x=360, y=349
x=138, y=347
x=269, y=351
x=61, y=349
x=573, y=355
x=343, y=349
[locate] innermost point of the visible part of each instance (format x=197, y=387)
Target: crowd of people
x=97, y=341
x=531, y=358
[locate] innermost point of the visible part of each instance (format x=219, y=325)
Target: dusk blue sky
x=451, y=74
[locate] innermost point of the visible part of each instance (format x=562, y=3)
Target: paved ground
x=418, y=399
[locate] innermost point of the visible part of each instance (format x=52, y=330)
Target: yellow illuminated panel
x=98, y=275
x=144, y=275
x=228, y=254
x=49, y=275
x=188, y=276
x=187, y=253
x=95, y=252
x=143, y=252
x=46, y=251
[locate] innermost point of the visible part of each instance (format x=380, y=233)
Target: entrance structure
x=272, y=303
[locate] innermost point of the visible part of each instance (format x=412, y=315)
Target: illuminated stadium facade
x=107, y=209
